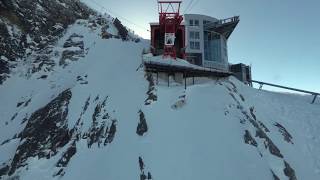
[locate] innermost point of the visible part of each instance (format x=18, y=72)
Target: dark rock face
x=289, y=172
x=4, y=70
x=273, y=149
x=45, y=132
x=151, y=90
x=122, y=31
x=261, y=131
x=142, y=125
x=275, y=177
x=99, y=132
x=34, y=25
x=286, y=135
x=75, y=42
x=248, y=139
x=142, y=167
x=64, y=160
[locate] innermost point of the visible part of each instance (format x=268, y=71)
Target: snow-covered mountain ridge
x=94, y=114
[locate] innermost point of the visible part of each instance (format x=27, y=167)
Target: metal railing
x=222, y=21
x=315, y=94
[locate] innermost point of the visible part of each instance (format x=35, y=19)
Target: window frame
x=196, y=22
x=191, y=22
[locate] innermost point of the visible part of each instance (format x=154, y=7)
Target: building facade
x=200, y=39
x=206, y=40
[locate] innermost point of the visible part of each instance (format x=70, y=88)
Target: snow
x=201, y=138
x=4, y=58
x=160, y=60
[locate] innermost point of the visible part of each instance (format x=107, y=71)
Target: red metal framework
x=169, y=20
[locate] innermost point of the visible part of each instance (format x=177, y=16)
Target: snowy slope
x=97, y=115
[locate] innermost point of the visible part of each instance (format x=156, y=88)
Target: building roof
x=157, y=23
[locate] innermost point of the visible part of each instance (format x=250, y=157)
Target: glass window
x=191, y=22
x=194, y=35
x=196, y=22
x=191, y=35
x=196, y=45
x=212, y=47
x=197, y=35
x=191, y=45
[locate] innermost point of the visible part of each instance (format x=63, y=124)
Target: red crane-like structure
x=169, y=21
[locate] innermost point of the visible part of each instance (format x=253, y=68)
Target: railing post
x=314, y=99
x=260, y=86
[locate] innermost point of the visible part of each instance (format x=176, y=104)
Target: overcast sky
x=280, y=38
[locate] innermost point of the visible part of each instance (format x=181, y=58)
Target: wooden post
x=314, y=99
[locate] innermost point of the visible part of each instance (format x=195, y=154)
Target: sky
x=279, y=38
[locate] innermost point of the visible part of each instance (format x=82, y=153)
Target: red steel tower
x=169, y=20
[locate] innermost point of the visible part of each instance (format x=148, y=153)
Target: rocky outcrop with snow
x=82, y=107
x=31, y=27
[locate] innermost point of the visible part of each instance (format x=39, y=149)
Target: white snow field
x=215, y=129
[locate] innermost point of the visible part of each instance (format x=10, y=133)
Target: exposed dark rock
x=151, y=90
x=122, y=31
x=19, y=104
x=235, y=99
x=82, y=80
x=143, y=176
x=27, y=102
x=232, y=84
x=241, y=96
x=142, y=125
x=286, y=135
x=273, y=149
x=96, y=133
x=42, y=22
x=141, y=164
x=71, y=42
x=4, y=70
x=289, y=172
x=43, y=77
x=111, y=133
x=4, y=170
x=64, y=160
x=59, y=173
x=263, y=126
x=72, y=55
x=252, y=113
x=86, y=105
x=5, y=142
x=248, y=139
x=14, y=116
x=99, y=132
x=45, y=132
x=275, y=177
x=104, y=32
x=268, y=144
